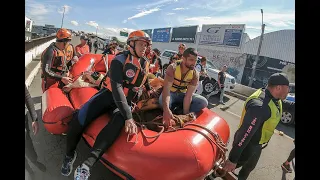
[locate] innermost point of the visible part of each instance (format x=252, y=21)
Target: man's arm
x=116, y=78
x=78, y=51
x=219, y=75
x=167, y=84
x=30, y=105
x=253, y=120
x=190, y=90
x=47, y=61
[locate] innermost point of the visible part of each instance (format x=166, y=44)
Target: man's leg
x=104, y=141
x=89, y=112
x=249, y=165
x=221, y=96
x=286, y=165
x=198, y=103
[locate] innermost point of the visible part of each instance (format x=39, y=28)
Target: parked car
x=288, y=114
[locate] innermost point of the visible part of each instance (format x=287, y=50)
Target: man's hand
x=75, y=59
x=229, y=166
x=130, y=127
x=35, y=127
x=66, y=80
x=167, y=116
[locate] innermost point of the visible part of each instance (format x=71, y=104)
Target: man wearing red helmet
x=121, y=87
x=54, y=62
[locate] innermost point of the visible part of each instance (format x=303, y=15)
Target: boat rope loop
x=222, y=148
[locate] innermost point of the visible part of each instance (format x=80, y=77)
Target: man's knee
x=200, y=101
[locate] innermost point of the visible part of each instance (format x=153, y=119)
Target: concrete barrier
x=35, y=51
x=243, y=90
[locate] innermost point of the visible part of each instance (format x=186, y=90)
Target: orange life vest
x=134, y=75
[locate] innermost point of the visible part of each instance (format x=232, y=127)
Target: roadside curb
x=239, y=96
x=32, y=74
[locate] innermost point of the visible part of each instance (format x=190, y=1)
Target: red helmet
x=63, y=35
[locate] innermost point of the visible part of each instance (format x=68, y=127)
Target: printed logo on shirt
x=130, y=73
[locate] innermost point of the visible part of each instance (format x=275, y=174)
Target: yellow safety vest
x=270, y=124
x=180, y=84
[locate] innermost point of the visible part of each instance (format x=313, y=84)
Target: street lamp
x=97, y=31
x=64, y=8
x=254, y=65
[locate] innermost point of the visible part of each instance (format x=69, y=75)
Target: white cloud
x=252, y=19
x=144, y=13
x=217, y=5
x=156, y=4
x=75, y=23
x=170, y=14
x=125, y=21
x=110, y=32
x=245, y=17
x=177, y=9
x=66, y=9
x=37, y=9
x=92, y=23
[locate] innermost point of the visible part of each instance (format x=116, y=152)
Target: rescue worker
x=260, y=116
x=178, y=56
x=180, y=83
x=127, y=75
x=30, y=152
x=95, y=46
x=83, y=47
x=112, y=48
x=53, y=62
x=155, y=62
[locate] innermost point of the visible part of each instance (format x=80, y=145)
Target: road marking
x=233, y=114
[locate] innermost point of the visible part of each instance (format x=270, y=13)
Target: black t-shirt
x=222, y=77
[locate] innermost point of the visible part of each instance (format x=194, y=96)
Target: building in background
x=28, y=28
x=277, y=55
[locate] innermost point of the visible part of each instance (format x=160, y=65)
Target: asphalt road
x=50, y=148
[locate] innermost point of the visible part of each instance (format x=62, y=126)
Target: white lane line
x=233, y=114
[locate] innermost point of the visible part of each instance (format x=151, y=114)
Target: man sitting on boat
x=180, y=83
x=53, y=62
x=127, y=76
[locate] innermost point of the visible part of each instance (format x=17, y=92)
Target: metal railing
x=30, y=44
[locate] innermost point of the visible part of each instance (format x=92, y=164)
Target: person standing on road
x=179, y=87
x=260, y=115
x=30, y=152
x=112, y=48
x=53, y=62
x=128, y=75
x=89, y=44
x=95, y=46
x=286, y=165
x=221, y=78
x=82, y=48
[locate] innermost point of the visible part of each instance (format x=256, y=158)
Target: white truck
x=209, y=85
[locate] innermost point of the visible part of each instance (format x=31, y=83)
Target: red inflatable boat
x=179, y=155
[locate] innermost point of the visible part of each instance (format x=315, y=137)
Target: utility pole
x=64, y=8
x=254, y=65
x=97, y=31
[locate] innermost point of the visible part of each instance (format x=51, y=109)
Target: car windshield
x=168, y=54
x=211, y=65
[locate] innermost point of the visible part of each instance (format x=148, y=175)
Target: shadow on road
x=214, y=101
x=289, y=130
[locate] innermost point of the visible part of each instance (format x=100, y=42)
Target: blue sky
x=111, y=16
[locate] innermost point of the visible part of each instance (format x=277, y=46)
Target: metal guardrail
x=36, y=42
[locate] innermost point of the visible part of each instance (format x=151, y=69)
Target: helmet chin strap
x=134, y=49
